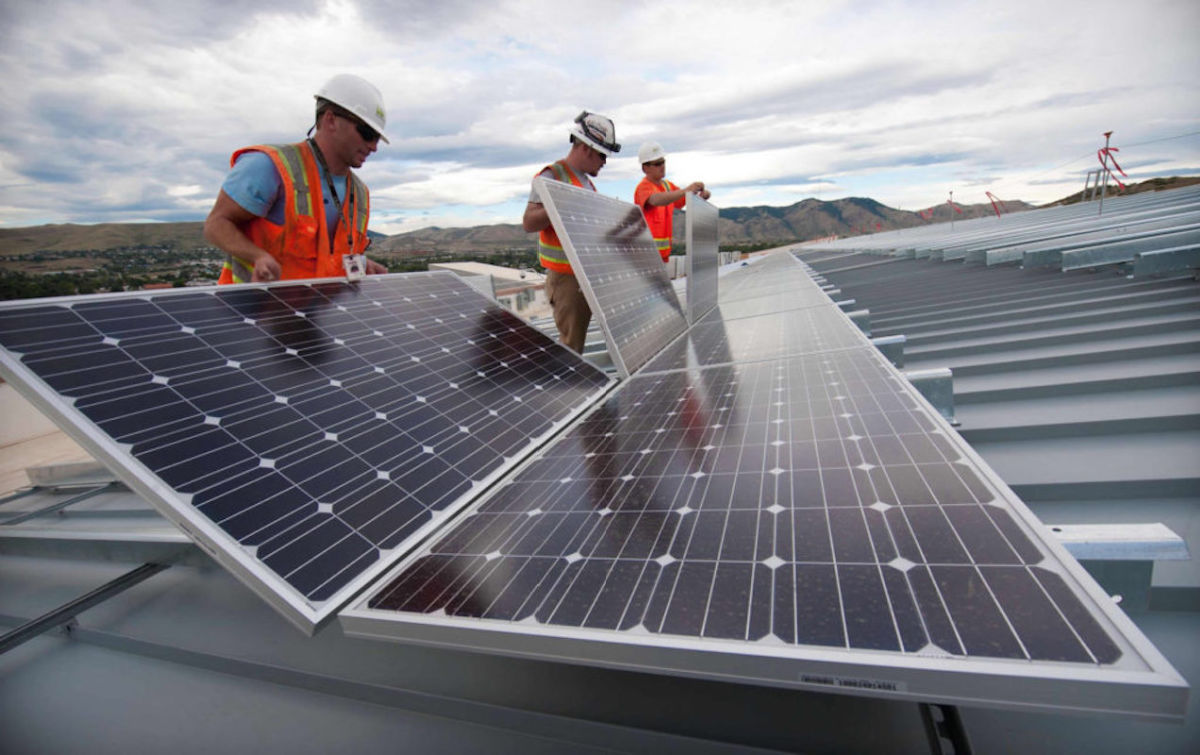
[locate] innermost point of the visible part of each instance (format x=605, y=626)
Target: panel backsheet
x=619, y=269
x=309, y=430
x=702, y=260
x=804, y=501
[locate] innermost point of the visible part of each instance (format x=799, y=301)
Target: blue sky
x=127, y=111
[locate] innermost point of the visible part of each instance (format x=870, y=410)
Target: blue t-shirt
x=255, y=184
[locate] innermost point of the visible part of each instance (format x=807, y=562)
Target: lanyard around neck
x=342, y=207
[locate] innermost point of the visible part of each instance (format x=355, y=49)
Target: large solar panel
x=619, y=269
x=306, y=434
x=802, y=520
x=702, y=257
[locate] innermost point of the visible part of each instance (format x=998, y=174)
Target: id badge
x=355, y=266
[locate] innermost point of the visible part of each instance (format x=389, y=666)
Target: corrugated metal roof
x=1082, y=387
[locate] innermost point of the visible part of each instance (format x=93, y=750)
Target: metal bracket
x=937, y=386
x=945, y=730
x=892, y=348
x=25, y=516
x=861, y=318
x=64, y=615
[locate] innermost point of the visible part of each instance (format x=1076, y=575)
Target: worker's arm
x=536, y=218
x=670, y=197
x=223, y=229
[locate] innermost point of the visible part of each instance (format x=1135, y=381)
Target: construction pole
x=1104, y=164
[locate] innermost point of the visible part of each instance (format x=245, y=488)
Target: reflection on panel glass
x=619, y=269
x=799, y=331
x=808, y=501
x=308, y=429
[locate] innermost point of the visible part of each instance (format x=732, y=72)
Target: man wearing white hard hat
x=593, y=138
x=658, y=197
x=292, y=211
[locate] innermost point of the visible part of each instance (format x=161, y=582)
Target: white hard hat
x=357, y=95
x=651, y=151
x=597, y=131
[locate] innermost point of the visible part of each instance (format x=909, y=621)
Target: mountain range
x=762, y=225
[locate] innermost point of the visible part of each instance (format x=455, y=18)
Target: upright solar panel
x=803, y=520
x=702, y=256
x=306, y=434
x=619, y=269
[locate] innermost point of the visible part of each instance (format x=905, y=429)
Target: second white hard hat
x=597, y=131
x=357, y=95
x=649, y=152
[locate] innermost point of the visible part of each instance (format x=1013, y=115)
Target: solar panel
x=803, y=521
x=715, y=341
x=702, y=250
x=306, y=434
x=619, y=269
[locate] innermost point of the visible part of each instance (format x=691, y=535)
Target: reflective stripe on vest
x=550, y=251
x=304, y=246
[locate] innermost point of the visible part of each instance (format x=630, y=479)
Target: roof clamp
x=937, y=386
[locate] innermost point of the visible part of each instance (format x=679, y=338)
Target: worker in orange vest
x=295, y=211
x=658, y=197
x=593, y=139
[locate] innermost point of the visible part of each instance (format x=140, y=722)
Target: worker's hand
x=266, y=269
x=705, y=194
x=375, y=268
x=695, y=187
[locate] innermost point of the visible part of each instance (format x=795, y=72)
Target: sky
x=128, y=111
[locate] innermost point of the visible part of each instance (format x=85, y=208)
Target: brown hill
x=1153, y=184
x=761, y=225
x=70, y=237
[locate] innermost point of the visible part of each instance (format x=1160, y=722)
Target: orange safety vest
x=550, y=251
x=659, y=219
x=302, y=244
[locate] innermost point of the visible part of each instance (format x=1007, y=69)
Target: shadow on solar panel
x=305, y=434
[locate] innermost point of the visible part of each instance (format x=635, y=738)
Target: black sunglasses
x=367, y=133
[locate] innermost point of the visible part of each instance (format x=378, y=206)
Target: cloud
x=130, y=109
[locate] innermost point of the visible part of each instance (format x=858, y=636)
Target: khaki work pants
x=571, y=311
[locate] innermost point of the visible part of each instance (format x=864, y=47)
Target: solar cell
x=305, y=433
x=795, y=520
x=619, y=269
x=702, y=250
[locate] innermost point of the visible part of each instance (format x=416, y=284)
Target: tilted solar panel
x=306, y=434
x=702, y=251
x=805, y=521
x=619, y=269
